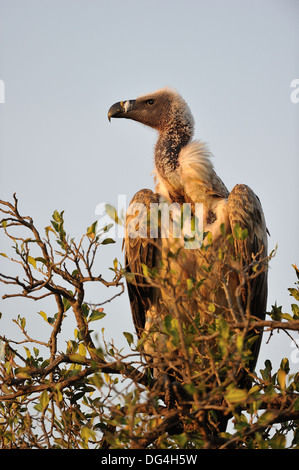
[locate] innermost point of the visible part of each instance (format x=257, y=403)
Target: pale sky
x=65, y=62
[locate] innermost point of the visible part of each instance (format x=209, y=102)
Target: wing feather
x=140, y=250
x=245, y=211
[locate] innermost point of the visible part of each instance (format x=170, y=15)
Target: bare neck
x=169, y=145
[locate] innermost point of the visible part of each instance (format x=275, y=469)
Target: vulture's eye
x=150, y=102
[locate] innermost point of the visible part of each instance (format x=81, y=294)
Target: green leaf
x=36, y=352
x=236, y=395
x=211, y=308
x=266, y=373
x=254, y=389
x=22, y=322
x=276, y=312
x=266, y=417
x=44, y=315
x=82, y=350
x=209, y=238
x=189, y=283
x=251, y=340
x=281, y=378
x=294, y=293
x=278, y=441
x=96, y=380
x=244, y=234
x=296, y=404
x=58, y=217
x=85, y=310
x=49, y=229
x=97, y=315
x=41, y=260
x=107, y=241
x=115, y=263
x=295, y=310
x=66, y=304
x=107, y=228
x=287, y=316
x=77, y=358
x=239, y=342
x=223, y=328
x=10, y=436
x=284, y=365
x=28, y=353
x=145, y=270
x=92, y=230
x=44, y=399
x=23, y=375
x=129, y=337
x=112, y=212
x=239, y=233
x=87, y=434
x=32, y=261
x=295, y=441
x=129, y=276
x=296, y=270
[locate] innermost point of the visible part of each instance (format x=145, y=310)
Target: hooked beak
x=120, y=109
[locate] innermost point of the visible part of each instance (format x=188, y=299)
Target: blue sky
x=64, y=62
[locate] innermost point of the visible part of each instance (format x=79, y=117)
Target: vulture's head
x=162, y=110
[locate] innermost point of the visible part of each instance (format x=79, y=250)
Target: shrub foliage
x=88, y=393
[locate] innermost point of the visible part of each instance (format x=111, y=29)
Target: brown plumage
x=185, y=174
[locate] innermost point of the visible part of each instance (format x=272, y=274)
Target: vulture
x=185, y=174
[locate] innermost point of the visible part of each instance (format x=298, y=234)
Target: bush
x=92, y=395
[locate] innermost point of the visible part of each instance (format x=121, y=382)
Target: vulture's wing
x=245, y=211
x=140, y=249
